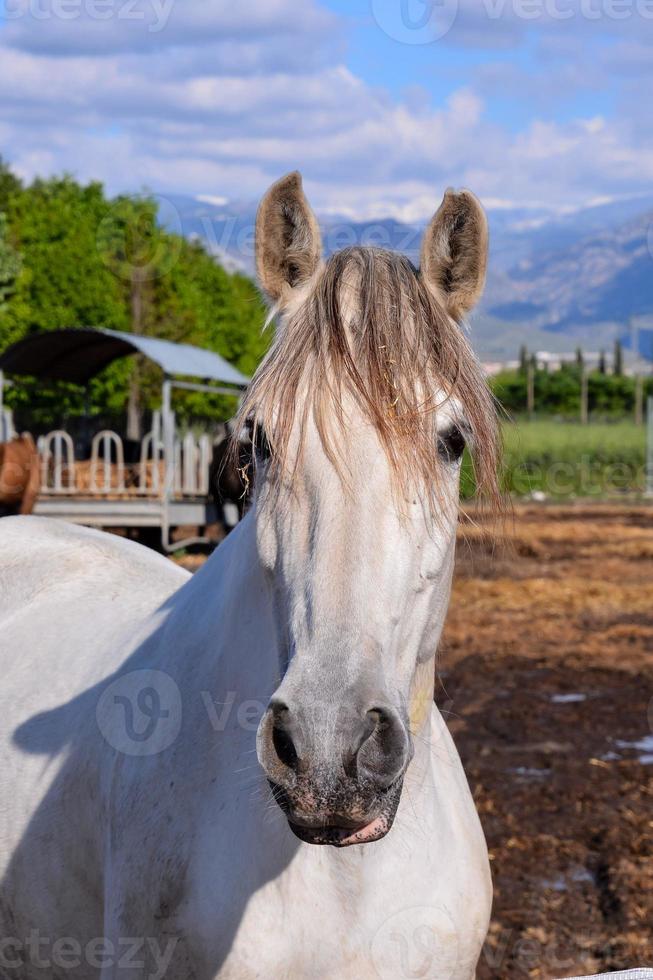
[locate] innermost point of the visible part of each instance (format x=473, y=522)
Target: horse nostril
x=385, y=750
x=284, y=747
x=275, y=744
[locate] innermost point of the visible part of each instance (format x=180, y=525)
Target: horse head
x=362, y=410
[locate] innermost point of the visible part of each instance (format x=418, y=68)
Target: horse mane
x=372, y=330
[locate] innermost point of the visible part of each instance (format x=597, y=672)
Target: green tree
x=523, y=358
x=9, y=185
x=618, y=365
x=602, y=367
x=91, y=261
x=63, y=282
x=9, y=265
x=138, y=252
x=580, y=360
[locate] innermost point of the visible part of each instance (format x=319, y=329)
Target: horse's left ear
x=288, y=243
x=454, y=252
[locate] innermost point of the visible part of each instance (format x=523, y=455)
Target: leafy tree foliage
x=9, y=185
x=71, y=257
x=9, y=265
x=558, y=393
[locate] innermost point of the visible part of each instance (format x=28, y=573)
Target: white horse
x=174, y=749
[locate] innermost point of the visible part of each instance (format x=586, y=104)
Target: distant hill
x=554, y=281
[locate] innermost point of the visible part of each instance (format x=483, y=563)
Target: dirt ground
x=547, y=684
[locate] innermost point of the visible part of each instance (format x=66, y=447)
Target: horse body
x=20, y=475
x=61, y=637
x=242, y=774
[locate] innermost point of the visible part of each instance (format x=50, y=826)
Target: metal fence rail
x=644, y=973
x=168, y=487
x=106, y=474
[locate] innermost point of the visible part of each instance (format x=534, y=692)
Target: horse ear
x=288, y=244
x=454, y=252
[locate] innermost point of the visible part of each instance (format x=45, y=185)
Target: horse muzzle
x=338, y=779
x=340, y=831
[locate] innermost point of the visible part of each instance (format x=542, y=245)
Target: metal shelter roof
x=77, y=355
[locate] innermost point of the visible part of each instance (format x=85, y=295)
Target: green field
x=564, y=460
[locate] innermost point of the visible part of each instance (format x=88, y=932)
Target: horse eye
x=263, y=451
x=451, y=444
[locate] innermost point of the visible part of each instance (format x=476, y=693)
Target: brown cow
x=20, y=475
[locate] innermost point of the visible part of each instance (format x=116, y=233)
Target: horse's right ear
x=288, y=244
x=454, y=252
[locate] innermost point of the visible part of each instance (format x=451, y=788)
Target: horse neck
x=223, y=625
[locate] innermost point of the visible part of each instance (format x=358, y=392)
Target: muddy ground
x=547, y=685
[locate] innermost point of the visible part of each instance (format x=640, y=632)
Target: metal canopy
x=78, y=355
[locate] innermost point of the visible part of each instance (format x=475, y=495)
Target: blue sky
x=381, y=103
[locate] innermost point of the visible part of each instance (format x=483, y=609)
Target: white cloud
x=224, y=99
x=101, y=27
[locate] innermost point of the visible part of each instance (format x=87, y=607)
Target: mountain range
x=555, y=281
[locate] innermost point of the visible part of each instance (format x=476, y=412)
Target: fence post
x=649, y=447
x=584, y=396
x=168, y=422
x=530, y=389
x=639, y=399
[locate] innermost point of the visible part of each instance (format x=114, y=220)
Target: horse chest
x=341, y=915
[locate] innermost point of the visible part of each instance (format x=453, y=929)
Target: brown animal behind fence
x=20, y=476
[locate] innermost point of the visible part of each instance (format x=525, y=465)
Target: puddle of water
x=568, y=698
x=560, y=883
x=582, y=874
x=642, y=745
x=529, y=772
x=556, y=884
